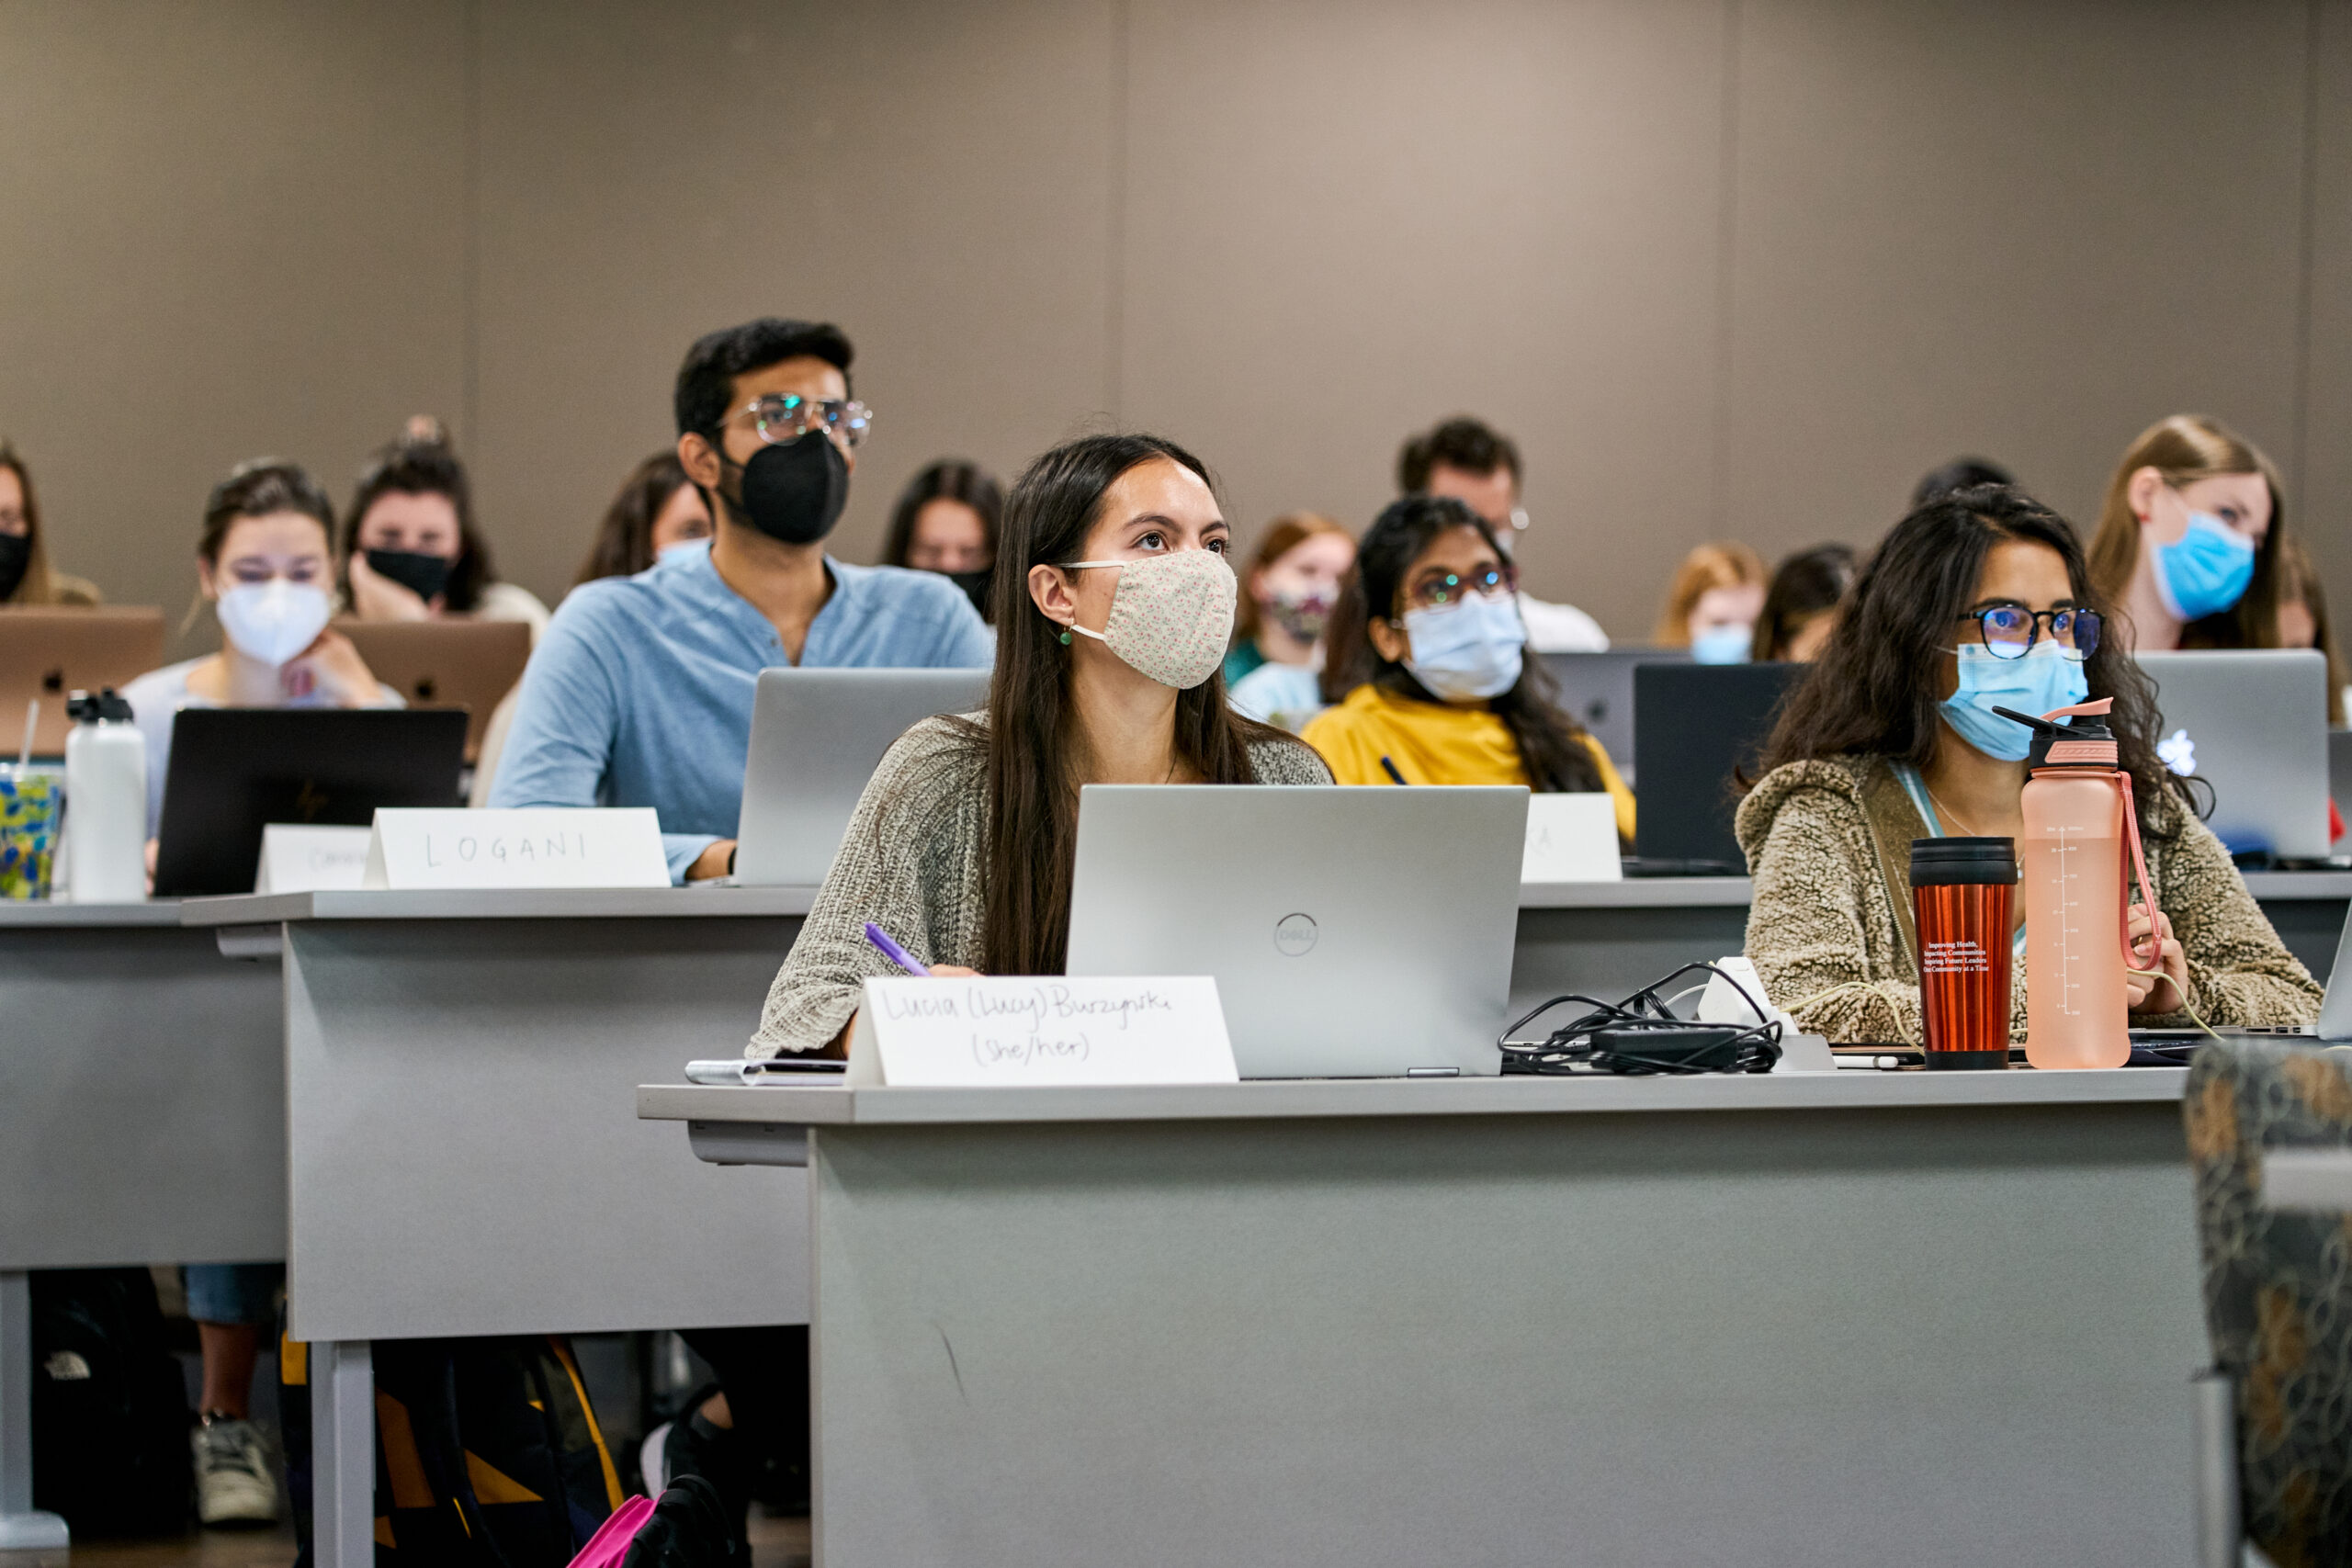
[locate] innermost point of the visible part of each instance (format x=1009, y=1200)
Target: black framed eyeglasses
x=2009, y=631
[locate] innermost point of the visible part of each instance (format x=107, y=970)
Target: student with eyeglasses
x=1427, y=663
x=641, y=693
x=1979, y=599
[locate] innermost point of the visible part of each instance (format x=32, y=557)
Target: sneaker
x=235, y=1482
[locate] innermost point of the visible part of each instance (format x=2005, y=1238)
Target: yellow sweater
x=1434, y=743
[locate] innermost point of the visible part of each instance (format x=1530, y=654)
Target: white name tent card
x=300, y=857
x=415, y=847
x=1571, y=838
x=958, y=1033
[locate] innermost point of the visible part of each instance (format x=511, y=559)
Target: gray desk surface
x=500, y=904
x=1633, y=893
x=17, y=913
x=1847, y=1089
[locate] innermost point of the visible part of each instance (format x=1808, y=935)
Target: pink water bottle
x=2078, y=817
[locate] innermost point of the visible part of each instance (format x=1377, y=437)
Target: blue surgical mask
x=1468, y=650
x=2043, y=680
x=2206, y=571
x=1722, y=645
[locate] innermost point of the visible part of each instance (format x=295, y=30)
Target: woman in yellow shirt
x=1425, y=642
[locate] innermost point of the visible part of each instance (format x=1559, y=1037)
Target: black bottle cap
x=1963, y=862
x=83, y=707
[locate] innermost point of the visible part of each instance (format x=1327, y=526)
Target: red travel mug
x=1963, y=892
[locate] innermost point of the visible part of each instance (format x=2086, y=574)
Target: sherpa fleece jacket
x=1828, y=842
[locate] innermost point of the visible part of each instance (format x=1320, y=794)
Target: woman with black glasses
x=1980, y=599
x=1427, y=662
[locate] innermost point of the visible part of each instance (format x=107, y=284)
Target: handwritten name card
x=539, y=847
x=306, y=858
x=944, y=1033
x=1571, y=838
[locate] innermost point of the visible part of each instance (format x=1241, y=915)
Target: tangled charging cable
x=1641, y=1036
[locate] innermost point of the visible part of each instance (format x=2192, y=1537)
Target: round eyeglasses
x=2009, y=631
x=1442, y=587
x=785, y=417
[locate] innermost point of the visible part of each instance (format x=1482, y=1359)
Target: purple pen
x=893, y=952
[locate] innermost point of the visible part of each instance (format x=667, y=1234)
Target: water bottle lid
x=105, y=707
x=1962, y=863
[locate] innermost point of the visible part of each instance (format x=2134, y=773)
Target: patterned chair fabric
x=2279, y=1289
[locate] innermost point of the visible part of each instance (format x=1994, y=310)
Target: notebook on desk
x=47, y=653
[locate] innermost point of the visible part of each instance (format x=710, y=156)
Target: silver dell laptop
x=816, y=737
x=2253, y=723
x=1353, y=932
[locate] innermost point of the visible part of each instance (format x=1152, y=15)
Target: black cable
x=1640, y=1036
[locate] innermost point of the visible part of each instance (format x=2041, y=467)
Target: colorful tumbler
x=30, y=803
x=1964, y=894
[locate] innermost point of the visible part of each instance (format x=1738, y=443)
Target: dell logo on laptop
x=1295, y=935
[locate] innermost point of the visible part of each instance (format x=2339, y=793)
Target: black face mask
x=794, y=493
x=976, y=586
x=16, y=556
x=422, y=575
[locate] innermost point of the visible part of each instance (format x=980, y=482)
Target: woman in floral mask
x=1288, y=592
x=1113, y=605
x=1429, y=655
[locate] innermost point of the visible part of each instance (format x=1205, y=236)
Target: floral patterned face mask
x=1170, y=616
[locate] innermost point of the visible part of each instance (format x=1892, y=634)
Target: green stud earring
x=1065, y=636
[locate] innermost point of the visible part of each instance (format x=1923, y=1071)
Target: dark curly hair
x=1874, y=688
x=422, y=462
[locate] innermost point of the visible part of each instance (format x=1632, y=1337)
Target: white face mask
x=1170, y=616
x=272, y=621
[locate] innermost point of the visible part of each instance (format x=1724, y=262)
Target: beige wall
x=1725, y=267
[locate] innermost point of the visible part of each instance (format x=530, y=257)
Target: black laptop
x=235, y=770
x=1694, y=725
x=1597, y=691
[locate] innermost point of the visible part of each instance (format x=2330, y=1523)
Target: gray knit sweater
x=913, y=862
x=1829, y=842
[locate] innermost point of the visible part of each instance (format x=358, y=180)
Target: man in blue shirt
x=641, y=692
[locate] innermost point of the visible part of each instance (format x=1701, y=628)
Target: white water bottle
x=106, y=802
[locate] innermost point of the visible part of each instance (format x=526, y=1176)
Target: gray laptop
x=1597, y=691
x=816, y=737
x=1353, y=932
x=2253, y=724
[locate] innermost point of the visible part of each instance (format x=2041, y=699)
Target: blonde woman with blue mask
x=2188, y=542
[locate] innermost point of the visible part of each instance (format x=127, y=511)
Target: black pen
x=1390, y=767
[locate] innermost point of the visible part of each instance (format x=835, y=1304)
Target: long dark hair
x=1031, y=736
x=950, y=479
x=1551, y=746
x=1804, y=585
x=624, y=543
x=1872, y=690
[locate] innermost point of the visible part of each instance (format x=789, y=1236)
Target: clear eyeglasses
x=2009, y=631
x=784, y=417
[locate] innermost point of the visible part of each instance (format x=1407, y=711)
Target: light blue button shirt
x=641, y=692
